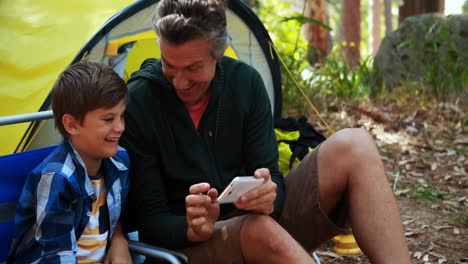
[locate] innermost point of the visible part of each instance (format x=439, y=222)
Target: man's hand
x=118, y=251
x=202, y=211
x=261, y=199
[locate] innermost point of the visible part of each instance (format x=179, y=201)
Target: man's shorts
x=302, y=217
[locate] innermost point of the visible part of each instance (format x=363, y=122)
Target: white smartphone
x=237, y=187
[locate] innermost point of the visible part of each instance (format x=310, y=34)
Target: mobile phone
x=238, y=187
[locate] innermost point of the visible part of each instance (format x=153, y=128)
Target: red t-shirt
x=196, y=111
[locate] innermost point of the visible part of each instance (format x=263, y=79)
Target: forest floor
x=425, y=154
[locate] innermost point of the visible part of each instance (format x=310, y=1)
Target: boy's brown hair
x=84, y=87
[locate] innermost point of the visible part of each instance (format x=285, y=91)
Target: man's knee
x=350, y=143
x=266, y=234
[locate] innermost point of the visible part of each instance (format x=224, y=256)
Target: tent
x=127, y=38
x=40, y=38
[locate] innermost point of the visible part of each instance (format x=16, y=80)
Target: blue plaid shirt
x=55, y=205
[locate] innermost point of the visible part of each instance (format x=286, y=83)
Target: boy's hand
x=261, y=199
x=118, y=251
x=202, y=211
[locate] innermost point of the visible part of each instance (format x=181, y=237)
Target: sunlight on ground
x=391, y=138
x=385, y=137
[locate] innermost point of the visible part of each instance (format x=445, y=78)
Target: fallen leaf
x=401, y=192
x=456, y=231
x=328, y=254
x=414, y=232
x=461, y=141
x=417, y=254
x=411, y=130
x=403, y=162
x=452, y=203
x=436, y=255
x=451, y=152
x=408, y=221
x=442, y=227
x=426, y=258
x=415, y=174
x=459, y=171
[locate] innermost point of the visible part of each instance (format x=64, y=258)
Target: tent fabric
x=126, y=39
x=39, y=39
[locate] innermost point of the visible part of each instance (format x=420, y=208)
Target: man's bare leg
x=263, y=240
x=349, y=164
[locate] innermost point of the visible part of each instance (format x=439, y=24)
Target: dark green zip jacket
x=168, y=154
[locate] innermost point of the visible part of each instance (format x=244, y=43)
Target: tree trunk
x=376, y=38
x=316, y=36
x=416, y=7
x=388, y=16
x=351, y=23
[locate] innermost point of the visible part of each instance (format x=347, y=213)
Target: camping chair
x=14, y=168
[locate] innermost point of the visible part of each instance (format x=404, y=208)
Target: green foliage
x=303, y=20
x=284, y=26
x=445, y=73
x=333, y=79
x=428, y=192
x=404, y=95
x=425, y=191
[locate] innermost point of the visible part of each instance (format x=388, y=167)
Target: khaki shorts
x=302, y=217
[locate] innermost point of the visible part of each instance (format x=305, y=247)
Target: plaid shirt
x=55, y=205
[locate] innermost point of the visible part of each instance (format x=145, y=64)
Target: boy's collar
x=76, y=155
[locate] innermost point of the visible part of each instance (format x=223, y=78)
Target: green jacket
x=168, y=154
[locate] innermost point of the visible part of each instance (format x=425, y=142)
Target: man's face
x=98, y=136
x=189, y=67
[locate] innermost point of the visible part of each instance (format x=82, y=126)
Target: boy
x=71, y=203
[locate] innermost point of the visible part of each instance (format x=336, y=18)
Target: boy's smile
x=98, y=135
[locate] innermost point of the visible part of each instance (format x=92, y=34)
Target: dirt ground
x=425, y=153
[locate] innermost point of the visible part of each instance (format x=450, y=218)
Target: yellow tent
x=39, y=38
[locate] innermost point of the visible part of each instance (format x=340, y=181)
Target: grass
x=425, y=191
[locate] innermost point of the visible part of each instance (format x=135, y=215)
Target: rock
x=428, y=48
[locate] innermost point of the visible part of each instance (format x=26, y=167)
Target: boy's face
x=98, y=135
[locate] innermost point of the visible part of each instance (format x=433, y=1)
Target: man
x=196, y=119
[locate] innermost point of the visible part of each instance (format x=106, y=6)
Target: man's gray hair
x=179, y=21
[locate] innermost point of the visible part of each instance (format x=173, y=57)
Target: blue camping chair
x=14, y=169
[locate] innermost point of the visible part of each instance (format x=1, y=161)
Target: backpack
x=296, y=138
